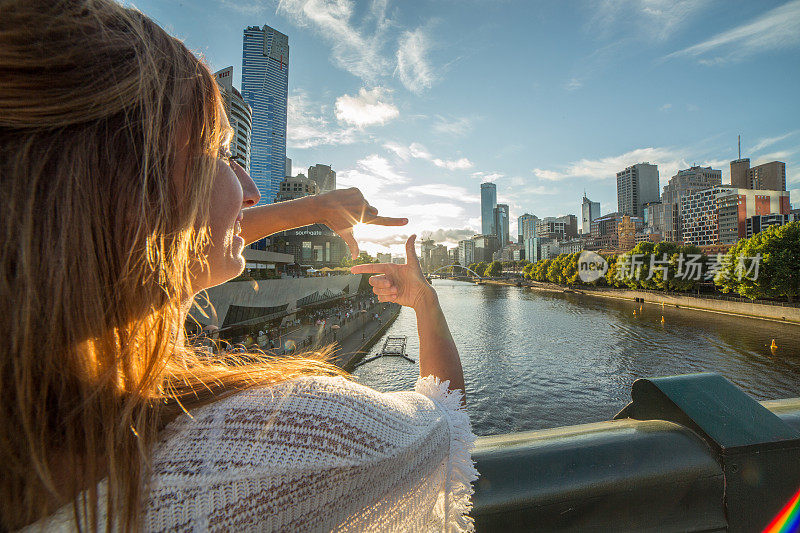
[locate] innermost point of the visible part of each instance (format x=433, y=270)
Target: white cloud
x=307, y=125
x=368, y=107
x=443, y=190
x=539, y=189
x=778, y=28
x=550, y=175
x=417, y=151
x=356, y=49
x=573, y=84
x=381, y=168
x=414, y=150
x=413, y=68
x=665, y=107
x=650, y=19
x=780, y=155
x=457, y=164
x=370, y=46
x=487, y=176
x=769, y=141
x=669, y=161
x=452, y=127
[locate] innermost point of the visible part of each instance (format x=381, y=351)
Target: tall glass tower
x=265, y=88
x=488, y=203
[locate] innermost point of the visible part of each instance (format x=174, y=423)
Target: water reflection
x=535, y=360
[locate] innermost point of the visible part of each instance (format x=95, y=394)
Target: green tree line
x=766, y=265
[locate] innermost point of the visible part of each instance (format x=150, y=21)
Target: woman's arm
x=406, y=285
x=340, y=210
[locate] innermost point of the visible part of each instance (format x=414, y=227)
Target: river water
x=536, y=359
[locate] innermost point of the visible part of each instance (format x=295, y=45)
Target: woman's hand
x=402, y=284
x=342, y=209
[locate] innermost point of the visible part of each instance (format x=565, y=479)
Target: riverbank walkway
x=349, y=335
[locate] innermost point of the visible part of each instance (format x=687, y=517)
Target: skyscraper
x=239, y=116
x=488, y=203
x=589, y=211
x=501, y=224
x=265, y=85
x=637, y=185
x=666, y=217
x=324, y=176
x=769, y=176
x=526, y=228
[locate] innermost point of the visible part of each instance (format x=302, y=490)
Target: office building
x=239, y=114
x=557, y=228
x=708, y=216
x=526, y=225
x=605, y=230
x=425, y=245
x=293, y=187
x=589, y=211
x=758, y=223
x=466, y=252
x=666, y=218
x=637, y=185
x=265, y=84
x=383, y=258
x=769, y=176
x=501, y=224
x=324, y=176
x=488, y=203
x=288, y=170
x=484, y=247
x=526, y=221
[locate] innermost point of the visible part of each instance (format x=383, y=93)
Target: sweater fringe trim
x=457, y=498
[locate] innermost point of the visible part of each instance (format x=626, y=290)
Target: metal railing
x=691, y=453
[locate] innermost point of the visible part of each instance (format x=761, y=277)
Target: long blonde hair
x=98, y=241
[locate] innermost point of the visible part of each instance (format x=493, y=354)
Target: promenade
x=350, y=336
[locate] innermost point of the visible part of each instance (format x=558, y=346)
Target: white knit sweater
x=313, y=454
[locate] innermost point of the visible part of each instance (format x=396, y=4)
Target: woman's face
x=232, y=190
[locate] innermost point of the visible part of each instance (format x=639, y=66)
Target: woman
x=120, y=204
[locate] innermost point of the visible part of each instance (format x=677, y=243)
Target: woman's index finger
x=372, y=268
x=386, y=221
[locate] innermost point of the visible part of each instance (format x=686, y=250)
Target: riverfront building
x=769, y=176
x=557, y=228
x=484, y=247
x=589, y=211
x=488, y=203
x=501, y=224
x=265, y=84
x=296, y=187
x=636, y=186
x=239, y=114
x=526, y=225
x=719, y=215
x=666, y=218
x=324, y=176
x=466, y=252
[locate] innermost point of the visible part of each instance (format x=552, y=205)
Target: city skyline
x=385, y=94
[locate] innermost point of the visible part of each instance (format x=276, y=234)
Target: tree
x=364, y=258
x=494, y=269
x=776, y=252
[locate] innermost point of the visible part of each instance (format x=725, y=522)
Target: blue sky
x=418, y=102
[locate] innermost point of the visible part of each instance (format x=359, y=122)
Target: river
x=536, y=359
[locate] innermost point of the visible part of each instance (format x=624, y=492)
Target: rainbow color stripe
x=788, y=520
